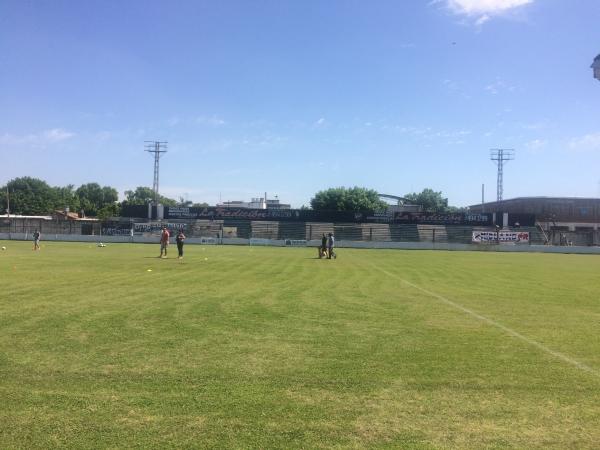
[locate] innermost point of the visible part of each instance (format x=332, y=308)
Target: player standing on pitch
x=323, y=248
x=36, y=240
x=179, y=239
x=164, y=242
x=330, y=247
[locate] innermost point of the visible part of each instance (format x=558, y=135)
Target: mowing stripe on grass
x=510, y=331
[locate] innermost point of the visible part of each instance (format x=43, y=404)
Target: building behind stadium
x=551, y=213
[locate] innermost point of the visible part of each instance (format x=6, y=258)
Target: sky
x=293, y=97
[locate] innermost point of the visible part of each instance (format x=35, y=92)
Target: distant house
x=256, y=203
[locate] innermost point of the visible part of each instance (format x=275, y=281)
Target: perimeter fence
x=238, y=230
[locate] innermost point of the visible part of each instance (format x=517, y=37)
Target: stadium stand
x=237, y=228
x=265, y=230
x=459, y=234
x=404, y=233
x=432, y=233
x=316, y=229
x=292, y=230
x=205, y=228
x=345, y=232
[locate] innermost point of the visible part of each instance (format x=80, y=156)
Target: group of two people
x=164, y=242
x=36, y=240
x=327, y=246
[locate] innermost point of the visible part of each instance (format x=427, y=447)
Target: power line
x=499, y=155
x=155, y=147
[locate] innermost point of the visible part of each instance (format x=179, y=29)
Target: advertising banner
x=115, y=229
x=156, y=227
x=484, y=219
x=309, y=215
x=502, y=237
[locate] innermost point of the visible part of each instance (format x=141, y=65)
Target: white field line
x=510, y=331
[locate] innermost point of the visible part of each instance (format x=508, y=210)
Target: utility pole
x=482, y=198
x=8, y=213
x=499, y=155
x=156, y=147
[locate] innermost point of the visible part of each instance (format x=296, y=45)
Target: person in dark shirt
x=179, y=239
x=36, y=240
x=323, y=249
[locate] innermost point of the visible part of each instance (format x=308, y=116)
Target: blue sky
x=292, y=97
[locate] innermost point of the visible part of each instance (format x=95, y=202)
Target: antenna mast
x=156, y=147
x=499, y=155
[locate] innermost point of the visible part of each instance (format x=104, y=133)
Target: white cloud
x=36, y=139
x=483, y=19
x=483, y=10
x=499, y=86
x=104, y=135
x=534, y=126
x=483, y=7
x=173, y=121
x=57, y=135
x=320, y=122
x=451, y=85
x=589, y=142
x=455, y=89
x=536, y=145
x=213, y=121
x=428, y=134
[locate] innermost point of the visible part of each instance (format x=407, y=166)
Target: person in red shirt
x=164, y=242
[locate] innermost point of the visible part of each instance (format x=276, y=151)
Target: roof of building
x=18, y=216
x=593, y=199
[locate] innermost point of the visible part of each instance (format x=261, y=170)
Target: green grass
x=249, y=347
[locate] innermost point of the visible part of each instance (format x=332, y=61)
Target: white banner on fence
x=503, y=237
x=156, y=227
x=209, y=240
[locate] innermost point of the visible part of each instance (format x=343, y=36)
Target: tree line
x=363, y=199
x=32, y=196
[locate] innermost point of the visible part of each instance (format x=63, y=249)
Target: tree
x=430, y=200
x=184, y=203
x=144, y=195
x=67, y=198
x=30, y=196
x=109, y=210
x=347, y=199
x=93, y=198
x=141, y=196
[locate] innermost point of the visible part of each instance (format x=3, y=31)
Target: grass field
x=250, y=347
